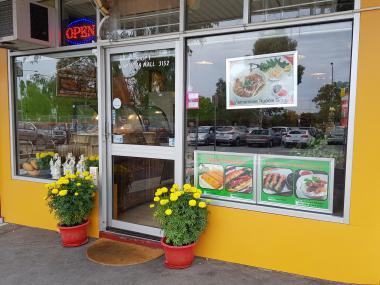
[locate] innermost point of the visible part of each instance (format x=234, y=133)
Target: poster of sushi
x=262, y=81
x=225, y=174
x=296, y=182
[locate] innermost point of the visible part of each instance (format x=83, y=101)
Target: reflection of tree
x=329, y=101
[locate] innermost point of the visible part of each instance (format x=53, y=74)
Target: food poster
x=225, y=174
x=296, y=182
x=263, y=81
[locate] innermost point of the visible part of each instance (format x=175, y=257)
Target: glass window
x=134, y=182
x=78, y=21
x=271, y=10
x=213, y=13
x=315, y=127
x=131, y=18
x=56, y=111
x=143, y=89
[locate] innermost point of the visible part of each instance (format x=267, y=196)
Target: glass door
x=142, y=150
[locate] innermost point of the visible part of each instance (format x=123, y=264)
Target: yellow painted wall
x=22, y=202
x=348, y=253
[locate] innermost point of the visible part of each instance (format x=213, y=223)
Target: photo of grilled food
x=211, y=176
x=312, y=186
x=238, y=179
x=274, y=181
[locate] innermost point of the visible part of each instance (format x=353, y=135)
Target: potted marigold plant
x=182, y=216
x=71, y=199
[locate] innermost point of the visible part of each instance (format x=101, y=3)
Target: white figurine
x=69, y=165
x=81, y=165
x=55, y=166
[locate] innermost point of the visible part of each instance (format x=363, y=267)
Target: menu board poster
x=296, y=182
x=262, y=81
x=225, y=175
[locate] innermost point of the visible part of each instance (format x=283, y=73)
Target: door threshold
x=130, y=237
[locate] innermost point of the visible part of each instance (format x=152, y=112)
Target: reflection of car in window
x=206, y=135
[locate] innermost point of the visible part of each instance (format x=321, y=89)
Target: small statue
x=69, y=165
x=55, y=166
x=81, y=165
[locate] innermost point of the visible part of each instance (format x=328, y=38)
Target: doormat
x=114, y=253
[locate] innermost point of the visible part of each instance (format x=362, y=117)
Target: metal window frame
x=181, y=37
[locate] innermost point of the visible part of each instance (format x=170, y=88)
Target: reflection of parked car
x=283, y=131
x=232, y=135
x=313, y=132
x=337, y=136
x=298, y=137
x=266, y=137
x=28, y=131
x=206, y=135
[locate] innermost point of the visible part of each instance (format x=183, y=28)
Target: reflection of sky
x=318, y=46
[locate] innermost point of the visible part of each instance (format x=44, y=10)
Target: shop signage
x=225, y=174
x=262, y=81
x=80, y=31
x=296, y=182
x=192, y=100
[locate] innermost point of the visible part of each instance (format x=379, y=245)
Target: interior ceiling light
x=204, y=62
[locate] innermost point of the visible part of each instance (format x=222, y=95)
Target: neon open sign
x=80, y=31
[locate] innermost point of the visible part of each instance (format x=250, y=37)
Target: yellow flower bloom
x=196, y=195
x=192, y=203
x=54, y=191
x=168, y=212
x=156, y=199
x=172, y=190
x=85, y=173
x=173, y=198
x=62, y=193
x=199, y=191
x=76, y=193
x=164, y=190
x=151, y=206
x=202, y=204
x=66, y=181
x=164, y=202
x=88, y=177
x=37, y=155
x=193, y=189
x=72, y=176
x=186, y=187
x=158, y=192
x=175, y=186
x=79, y=184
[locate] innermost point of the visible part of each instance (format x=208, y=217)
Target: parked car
x=264, y=137
x=313, y=131
x=28, y=131
x=206, y=135
x=283, y=130
x=298, y=137
x=337, y=136
x=231, y=135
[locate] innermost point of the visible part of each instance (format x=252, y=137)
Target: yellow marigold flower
x=186, y=187
x=175, y=186
x=196, y=195
x=151, y=206
x=172, y=190
x=168, y=212
x=173, y=198
x=79, y=184
x=202, y=204
x=88, y=177
x=158, y=192
x=179, y=193
x=62, y=193
x=37, y=155
x=192, y=203
x=164, y=190
x=54, y=191
x=156, y=199
x=193, y=189
x=85, y=173
x=66, y=181
x=199, y=191
x=76, y=193
x=72, y=176
x=164, y=202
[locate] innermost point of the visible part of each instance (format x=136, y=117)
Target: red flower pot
x=178, y=257
x=74, y=236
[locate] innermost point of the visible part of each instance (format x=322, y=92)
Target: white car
x=298, y=137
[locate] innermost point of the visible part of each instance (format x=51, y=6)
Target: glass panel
x=131, y=18
x=143, y=91
x=84, y=13
x=321, y=113
x=213, y=13
x=56, y=110
x=271, y=10
x=134, y=183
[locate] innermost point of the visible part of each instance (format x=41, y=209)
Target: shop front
x=266, y=107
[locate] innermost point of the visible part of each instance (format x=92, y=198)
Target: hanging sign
x=80, y=31
x=262, y=81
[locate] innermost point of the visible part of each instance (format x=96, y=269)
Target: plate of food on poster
x=312, y=185
x=211, y=176
x=275, y=181
x=238, y=179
